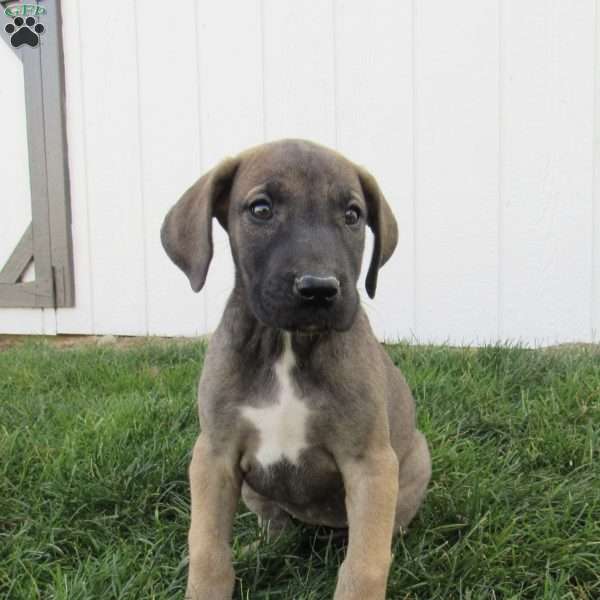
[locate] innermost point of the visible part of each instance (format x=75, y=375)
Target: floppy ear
x=186, y=233
x=383, y=225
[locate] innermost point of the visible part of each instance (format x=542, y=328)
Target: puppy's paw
x=211, y=577
x=361, y=583
x=205, y=590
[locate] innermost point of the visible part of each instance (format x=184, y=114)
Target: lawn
x=95, y=441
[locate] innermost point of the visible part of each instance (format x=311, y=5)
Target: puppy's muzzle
x=317, y=289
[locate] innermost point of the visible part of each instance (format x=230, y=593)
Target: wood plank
x=374, y=128
x=231, y=112
x=33, y=294
x=38, y=172
x=596, y=191
x=14, y=172
x=59, y=212
x=168, y=79
x=41, y=109
x=116, y=211
x=299, y=70
x=547, y=96
x=79, y=319
x=456, y=170
x=20, y=258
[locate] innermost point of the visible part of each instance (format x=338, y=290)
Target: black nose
x=315, y=288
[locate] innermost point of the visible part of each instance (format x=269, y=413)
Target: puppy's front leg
x=371, y=493
x=215, y=489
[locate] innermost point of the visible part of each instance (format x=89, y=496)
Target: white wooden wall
x=480, y=119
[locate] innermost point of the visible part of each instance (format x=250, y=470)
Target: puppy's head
x=296, y=215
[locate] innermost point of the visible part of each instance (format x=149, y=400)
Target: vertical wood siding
x=479, y=118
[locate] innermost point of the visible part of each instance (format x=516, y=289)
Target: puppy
x=302, y=412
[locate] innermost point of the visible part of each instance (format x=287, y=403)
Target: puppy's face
x=296, y=222
x=296, y=215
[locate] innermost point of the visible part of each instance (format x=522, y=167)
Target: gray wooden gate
x=47, y=240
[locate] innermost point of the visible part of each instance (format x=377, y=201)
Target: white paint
x=362, y=73
x=282, y=424
x=299, y=70
x=456, y=179
x=166, y=171
x=595, y=298
x=548, y=84
x=477, y=118
x=230, y=113
x=116, y=211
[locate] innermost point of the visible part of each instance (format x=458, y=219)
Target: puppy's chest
x=282, y=423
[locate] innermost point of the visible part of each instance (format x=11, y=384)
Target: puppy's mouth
x=276, y=303
x=311, y=329
x=305, y=318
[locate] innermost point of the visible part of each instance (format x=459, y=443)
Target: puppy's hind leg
x=270, y=515
x=414, y=475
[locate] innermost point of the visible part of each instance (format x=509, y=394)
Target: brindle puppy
x=302, y=411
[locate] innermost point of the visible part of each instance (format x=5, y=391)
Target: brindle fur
x=365, y=465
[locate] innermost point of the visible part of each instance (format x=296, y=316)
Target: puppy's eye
x=261, y=208
x=352, y=215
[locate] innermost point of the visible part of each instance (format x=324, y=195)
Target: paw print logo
x=24, y=31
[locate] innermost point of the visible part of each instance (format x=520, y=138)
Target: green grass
x=95, y=441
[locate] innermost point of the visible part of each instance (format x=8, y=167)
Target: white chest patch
x=281, y=425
